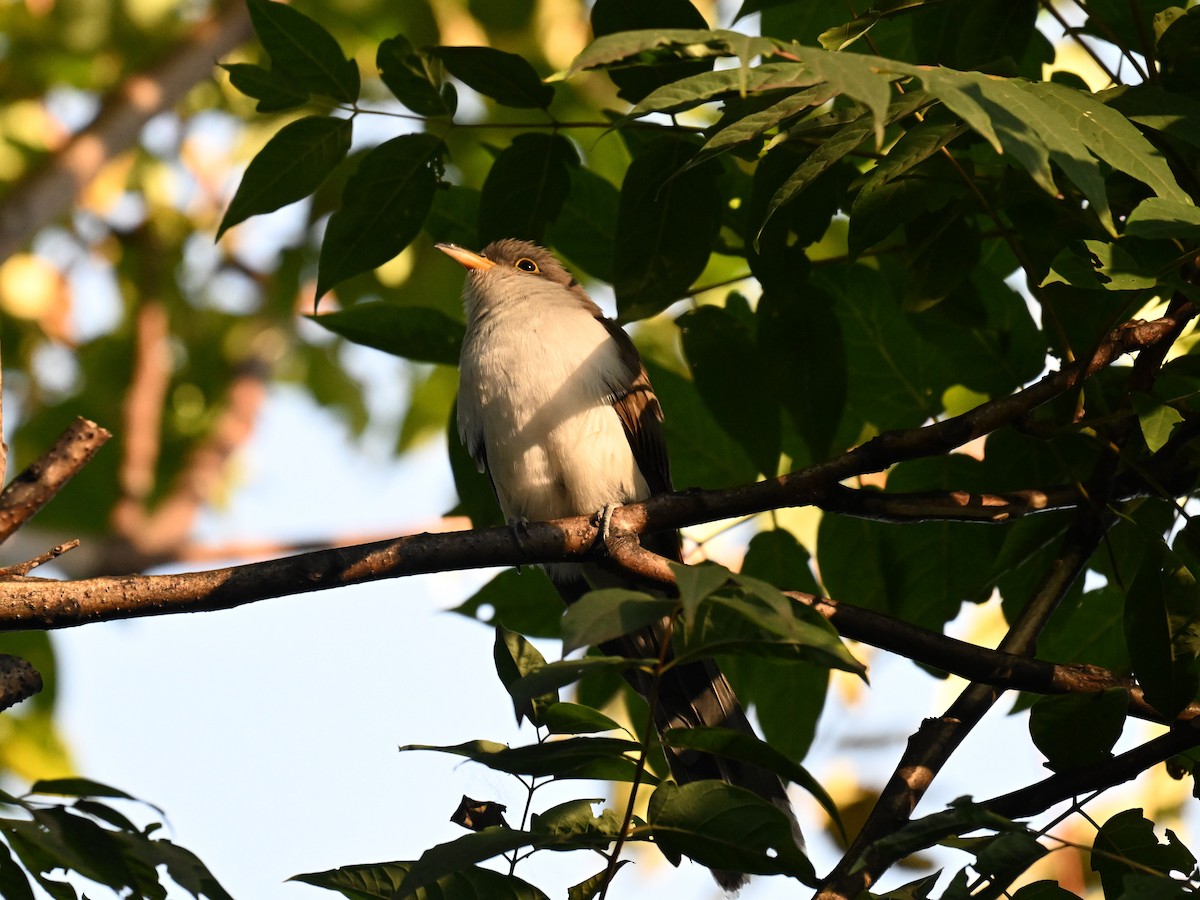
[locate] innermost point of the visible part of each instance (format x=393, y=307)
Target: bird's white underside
x=537, y=376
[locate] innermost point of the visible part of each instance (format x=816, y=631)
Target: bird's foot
x=519, y=526
x=603, y=519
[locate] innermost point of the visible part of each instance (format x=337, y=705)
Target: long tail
x=690, y=695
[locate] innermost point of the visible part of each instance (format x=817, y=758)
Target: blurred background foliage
x=118, y=305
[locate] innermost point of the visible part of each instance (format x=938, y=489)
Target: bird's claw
x=603, y=520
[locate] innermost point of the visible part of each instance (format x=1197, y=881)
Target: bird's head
x=510, y=269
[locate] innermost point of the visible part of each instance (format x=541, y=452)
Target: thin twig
x=45, y=477
x=24, y=568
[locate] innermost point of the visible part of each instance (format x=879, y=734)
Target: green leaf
x=587, y=223
x=1006, y=857
x=801, y=338
x=777, y=558
x=452, y=857
x=746, y=623
x=854, y=76
x=1078, y=730
x=592, y=887
x=747, y=748
x=599, y=616
x=848, y=139
x=575, y=718
x=79, y=787
x=653, y=69
x=419, y=333
x=559, y=674
x=526, y=187
x=1155, y=218
x=380, y=881
x=384, y=205
x=515, y=658
x=703, y=455
x=522, y=600
x=1174, y=115
x=505, y=77
x=304, y=51
x=747, y=128
x=668, y=43
x=292, y=164
x=575, y=757
x=412, y=77
x=1097, y=265
x=1162, y=628
x=273, y=91
x=666, y=227
x=725, y=827
x=575, y=819
x=734, y=381
x=695, y=583
x=13, y=883
x=1126, y=845
x=1157, y=420
x=708, y=86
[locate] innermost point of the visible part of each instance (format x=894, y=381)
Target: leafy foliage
x=877, y=222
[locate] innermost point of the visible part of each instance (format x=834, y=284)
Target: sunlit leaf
x=384, y=205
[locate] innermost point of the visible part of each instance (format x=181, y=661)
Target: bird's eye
x=525, y=264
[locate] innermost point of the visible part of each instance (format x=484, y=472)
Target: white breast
x=535, y=392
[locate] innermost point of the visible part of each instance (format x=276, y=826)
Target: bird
x=556, y=407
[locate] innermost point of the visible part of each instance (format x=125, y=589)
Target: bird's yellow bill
x=466, y=258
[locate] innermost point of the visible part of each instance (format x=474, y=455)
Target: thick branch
x=50, y=191
x=45, y=477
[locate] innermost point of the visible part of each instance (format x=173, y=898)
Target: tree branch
x=48, y=192
x=46, y=476
x=19, y=680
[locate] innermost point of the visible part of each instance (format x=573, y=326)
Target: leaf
x=575, y=818
x=522, y=600
x=674, y=43
x=666, y=227
x=592, y=887
x=854, y=76
x=1157, y=420
x=575, y=718
x=696, y=583
x=380, y=881
x=568, y=671
x=384, y=205
x=848, y=139
x=1097, y=265
x=303, y=51
x=1006, y=856
x=1126, y=845
x=292, y=164
x=703, y=455
x=744, y=623
x=13, y=883
x=1155, y=218
x=587, y=223
x=411, y=77
x=725, y=827
x=419, y=333
x=1078, y=730
x=576, y=757
x=505, y=77
x=273, y=91
x=526, y=187
x=515, y=658
x=708, y=86
x=654, y=69
x=802, y=341
x=734, y=381
x=747, y=128
x=730, y=744
x=1175, y=115
x=79, y=787
x=602, y=615
x=1162, y=628
x=777, y=558
x=452, y=857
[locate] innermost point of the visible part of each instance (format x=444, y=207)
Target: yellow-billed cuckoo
x=554, y=404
